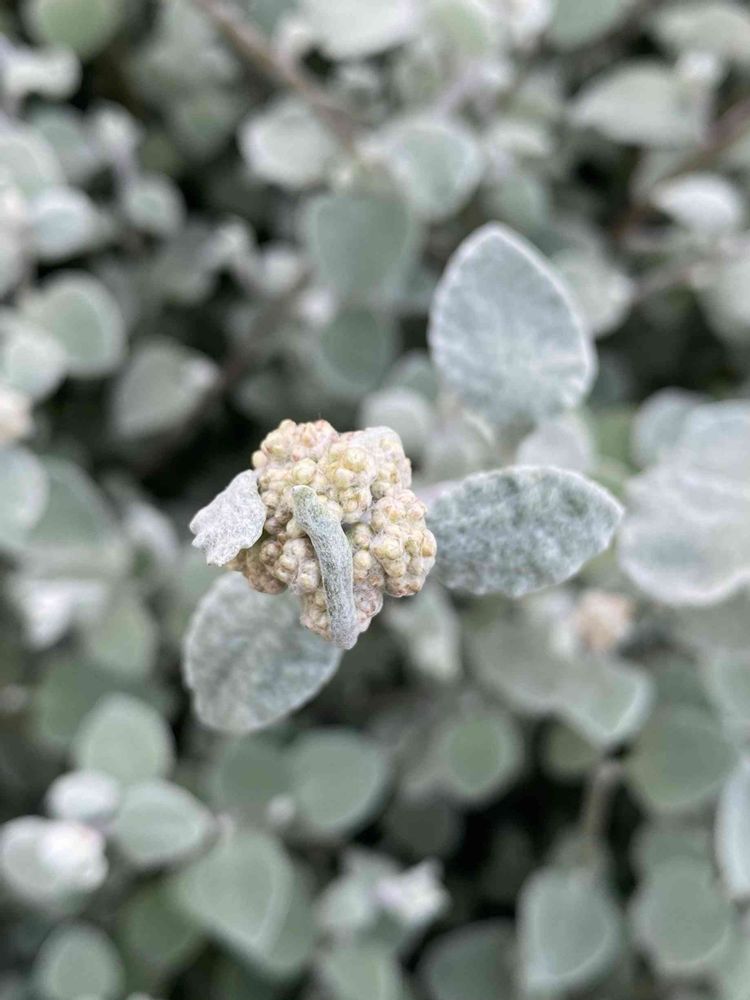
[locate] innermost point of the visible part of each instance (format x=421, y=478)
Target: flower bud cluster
x=363, y=478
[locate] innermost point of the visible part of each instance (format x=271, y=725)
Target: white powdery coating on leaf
x=248, y=660
x=504, y=333
x=517, y=530
x=335, y=557
x=231, y=522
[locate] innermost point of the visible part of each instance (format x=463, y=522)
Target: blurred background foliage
x=214, y=216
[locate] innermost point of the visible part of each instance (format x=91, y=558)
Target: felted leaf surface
x=248, y=660
x=504, y=334
x=517, y=530
x=231, y=522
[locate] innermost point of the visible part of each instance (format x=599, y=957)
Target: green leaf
x=78, y=960
x=359, y=243
x=353, y=353
x=85, y=319
x=153, y=204
x=477, y=759
x=517, y=530
x=249, y=778
x=354, y=971
x=77, y=535
x=125, y=638
x=602, y=292
x=733, y=833
x=606, y=700
x=124, y=737
x=349, y=29
x=473, y=961
x=161, y=386
x=681, y=918
x=515, y=661
x=31, y=360
x=569, y=931
x=727, y=679
x=680, y=760
x=643, y=102
x=86, y=26
x=24, y=491
x=159, y=823
x=153, y=933
x=659, y=423
x=702, y=202
x=83, y=797
x=239, y=893
x=248, y=660
x=503, y=332
x=28, y=161
x=718, y=27
x=338, y=780
x=668, y=545
x=437, y=163
x=579, y=22
x=64, y=224
x=658, y=842
x=286, y=145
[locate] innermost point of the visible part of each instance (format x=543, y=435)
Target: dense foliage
x=513, y=231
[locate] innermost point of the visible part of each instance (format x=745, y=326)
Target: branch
x=250, y=44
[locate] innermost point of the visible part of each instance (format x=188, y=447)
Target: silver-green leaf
x=248, y=660
x=516, y=530
x=231, y=522
x=504, y=333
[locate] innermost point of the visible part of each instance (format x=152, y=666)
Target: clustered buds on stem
x=360, y=481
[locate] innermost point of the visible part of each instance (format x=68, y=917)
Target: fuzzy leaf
x=249, y=661
x=517, y=530
x=504, y=333
x=231, y=522
x=335, y=558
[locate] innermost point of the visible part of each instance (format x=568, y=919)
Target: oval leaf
x=569, y=931
x=504, y=334
x=517, y=530
x=249, y=661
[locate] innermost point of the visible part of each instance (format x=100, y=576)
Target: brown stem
x=725, y=132
x=249, y=43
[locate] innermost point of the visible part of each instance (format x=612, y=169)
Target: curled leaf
x=335, y=558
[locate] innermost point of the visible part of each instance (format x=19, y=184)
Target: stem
x=250, y=44
x=596, y=804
